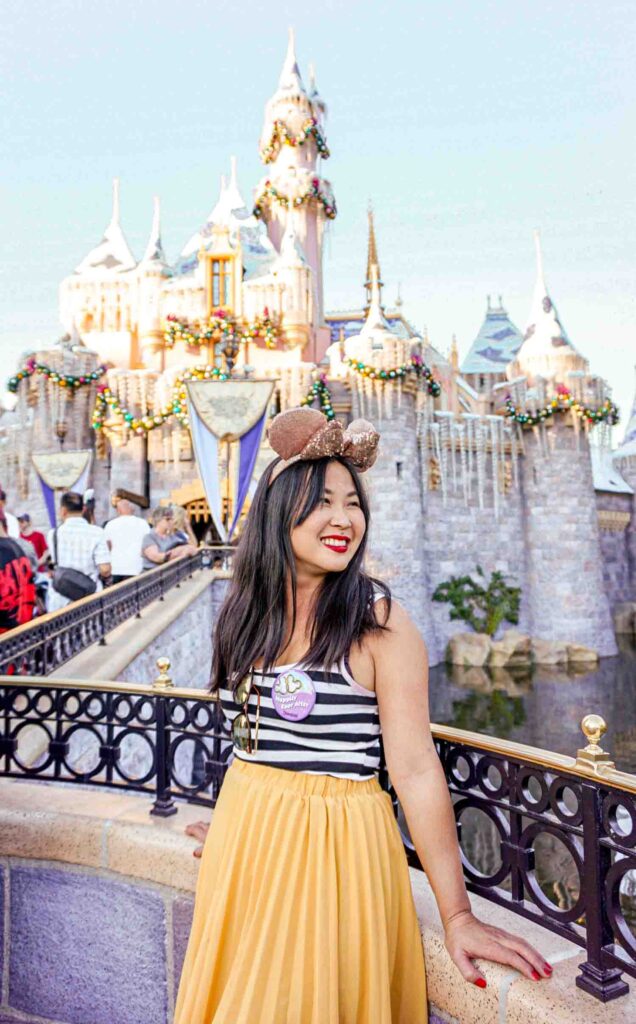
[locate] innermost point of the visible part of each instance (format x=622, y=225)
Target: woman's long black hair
x=252, y=622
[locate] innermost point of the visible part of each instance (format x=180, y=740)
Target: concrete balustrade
x=95, y=908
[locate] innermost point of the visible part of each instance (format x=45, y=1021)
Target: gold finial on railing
x=593, y=756
x=163, y=680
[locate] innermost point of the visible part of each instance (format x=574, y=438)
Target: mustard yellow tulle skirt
x=303, y=911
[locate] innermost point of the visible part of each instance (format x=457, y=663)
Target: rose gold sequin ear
x=290, y=431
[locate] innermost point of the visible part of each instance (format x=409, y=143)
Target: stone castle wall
x=617, y=564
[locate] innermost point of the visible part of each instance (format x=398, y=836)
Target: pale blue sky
x=468, y=124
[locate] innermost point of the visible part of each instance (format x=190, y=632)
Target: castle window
x=221, y=282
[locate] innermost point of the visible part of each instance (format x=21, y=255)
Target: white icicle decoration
x=480, y=459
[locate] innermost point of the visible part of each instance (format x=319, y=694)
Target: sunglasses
x=241, y=729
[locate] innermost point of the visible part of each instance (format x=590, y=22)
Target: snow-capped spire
x=115, y=217
x=375, y=317
x=315, y=97
x=546, y=351
x=290, y=79
x=291, y=251
x=112, y=254
x=233, y=198
x=154, y=250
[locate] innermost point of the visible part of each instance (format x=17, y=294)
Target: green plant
x=484, y=606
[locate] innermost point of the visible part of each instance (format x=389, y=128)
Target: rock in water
x=579, y=654
x=514, y=648
x=468, y=649
x=549, y=652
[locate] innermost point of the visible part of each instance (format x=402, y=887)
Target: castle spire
x=375, y=316
x=112, y=254
x=546, y=351
x=372, y=260
x=154, y=250
x=233, y=198
x=291, y=251
x=290, y=79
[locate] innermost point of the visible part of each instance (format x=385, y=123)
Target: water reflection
x=543, y=706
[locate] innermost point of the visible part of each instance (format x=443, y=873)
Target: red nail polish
x=481, y=982
x=536, y=975
x=548, y=968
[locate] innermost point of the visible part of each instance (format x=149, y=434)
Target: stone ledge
x=114, y=832
x=128, y=641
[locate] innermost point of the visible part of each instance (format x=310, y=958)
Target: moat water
x=543, y=707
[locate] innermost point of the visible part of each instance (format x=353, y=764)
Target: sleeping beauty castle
x=169, y=372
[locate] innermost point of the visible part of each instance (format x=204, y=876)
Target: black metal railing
x=174, y=743
x=43, y=645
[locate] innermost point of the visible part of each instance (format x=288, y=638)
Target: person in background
x=158, y=546
x=78, y=545
x=17, y=586
x=13, y=527
x=88, y=511
x=182, y=529
x=125, y=534
x=34, y=537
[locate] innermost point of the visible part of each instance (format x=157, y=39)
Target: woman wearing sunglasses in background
x=303, y=911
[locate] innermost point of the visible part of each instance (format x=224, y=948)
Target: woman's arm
x=401, y=674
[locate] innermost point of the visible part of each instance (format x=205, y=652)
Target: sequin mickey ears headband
x=305, y=433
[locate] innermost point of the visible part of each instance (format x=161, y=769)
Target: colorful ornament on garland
x=319, y=391
x=415, y=366
x=564, y=401
x=223, y=327
x=108, y=404
x=270, y=193
x=64, y=380
x=281, y=136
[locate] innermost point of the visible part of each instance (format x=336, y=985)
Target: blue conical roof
x=496, y=344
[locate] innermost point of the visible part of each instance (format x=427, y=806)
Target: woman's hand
x=467, y=937
x=198, y=830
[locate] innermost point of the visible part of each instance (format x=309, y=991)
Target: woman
x=182, y=528
x=303, y=911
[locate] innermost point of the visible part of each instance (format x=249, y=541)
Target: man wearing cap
x=37, y=539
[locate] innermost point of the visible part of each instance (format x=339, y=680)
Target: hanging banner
x=206, y=452
x=61, y=471
x=248, y=453
x=227, y=411
x=229, y=408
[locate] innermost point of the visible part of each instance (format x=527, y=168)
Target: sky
x=468, y=124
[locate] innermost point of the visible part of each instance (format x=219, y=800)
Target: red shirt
x=17, y=590
x=38, y=540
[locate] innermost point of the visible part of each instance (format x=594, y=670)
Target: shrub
x=484, y=606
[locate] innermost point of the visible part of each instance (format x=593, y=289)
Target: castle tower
x=99, y=296
x=151, y=272
x=396, y=552
x=292, y=145
x=565, y=597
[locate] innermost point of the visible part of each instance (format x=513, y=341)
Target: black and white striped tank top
x=341, y=735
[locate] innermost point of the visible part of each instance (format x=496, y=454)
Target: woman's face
x=330, y=535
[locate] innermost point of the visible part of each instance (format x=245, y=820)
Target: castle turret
x=546, y=350
x=625, y=461
x=151, y=272
x=394, y=483
x=292, y=144
x=100, y=295
x=565, y=598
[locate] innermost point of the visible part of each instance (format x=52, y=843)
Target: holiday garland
x=415, y=366
x=108, y=404
x=63, y=380
x=270, y=192
x=319, y=391
x=563, y=402
x=281, y=136
x=224, y=327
